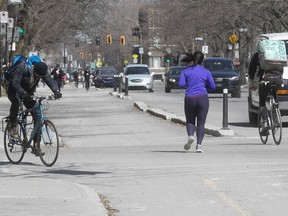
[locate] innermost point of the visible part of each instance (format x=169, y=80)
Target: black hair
x=196, y=58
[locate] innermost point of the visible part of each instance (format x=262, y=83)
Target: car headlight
x=235, y=78
x=172, y=80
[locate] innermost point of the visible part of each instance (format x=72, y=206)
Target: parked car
x=253, y=96
x=104, y=77
x=172, y=78
x=222, y=70
x=139, y=77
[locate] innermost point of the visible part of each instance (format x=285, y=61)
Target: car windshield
x=107, y=72
x=218, y=65
x=137, y=70
x=175, y=71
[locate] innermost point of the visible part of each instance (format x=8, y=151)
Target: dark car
x=224, y=72
x=104, y=77
x=172, y=78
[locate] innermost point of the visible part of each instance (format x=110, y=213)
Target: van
x=253, y=96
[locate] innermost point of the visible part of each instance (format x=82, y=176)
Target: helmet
x=17, y=58
x=33, y=59
x=40, y=68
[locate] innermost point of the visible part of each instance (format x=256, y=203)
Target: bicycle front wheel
x=14, y=149
x=276, y=126
x=261, y=126
x=48, y=144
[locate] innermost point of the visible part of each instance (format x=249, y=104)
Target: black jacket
x=20, y=81
x=255, y=67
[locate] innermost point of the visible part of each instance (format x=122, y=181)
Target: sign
x=135, y=56
x=141, y=50
x=4, y=16
x=233, y=38
x=205, y=49
x=15, y=1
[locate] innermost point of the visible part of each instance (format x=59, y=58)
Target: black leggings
x=196, y=107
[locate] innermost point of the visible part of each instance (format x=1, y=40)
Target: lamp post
x=243, y=31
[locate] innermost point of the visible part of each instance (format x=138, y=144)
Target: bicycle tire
x=48, y=144
x=263, y=138
x=276, y=126
x=14, y=149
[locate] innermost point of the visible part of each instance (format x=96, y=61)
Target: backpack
x=16, y=60
x=272, y=55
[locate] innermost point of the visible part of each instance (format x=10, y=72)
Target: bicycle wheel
x=13, y=147
x=48, y=144
x=263, y=136
x=276, y=126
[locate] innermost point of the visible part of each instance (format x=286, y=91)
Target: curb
x=209, y=129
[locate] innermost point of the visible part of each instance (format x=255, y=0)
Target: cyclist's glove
x=26, y=96
x=57, y=94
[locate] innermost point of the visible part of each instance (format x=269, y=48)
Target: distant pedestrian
x=195, y=79
x=57, y=75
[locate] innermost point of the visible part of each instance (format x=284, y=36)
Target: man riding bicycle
x=22, y=85
x=263, y=89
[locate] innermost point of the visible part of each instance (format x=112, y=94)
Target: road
x=138, y=163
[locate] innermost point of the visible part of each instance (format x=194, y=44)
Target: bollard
x=225, y=104
x=126, y=85
x=115, y=83
x=120, y=83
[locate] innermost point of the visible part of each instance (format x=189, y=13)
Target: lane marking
x=233, y=205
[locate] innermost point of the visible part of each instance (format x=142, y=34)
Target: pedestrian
x=196, y=80
x=22, y=85
x=57, y=75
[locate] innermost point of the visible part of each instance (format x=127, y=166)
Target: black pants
x=196, y=108
x=15, y=105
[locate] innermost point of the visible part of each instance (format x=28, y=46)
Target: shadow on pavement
x=74, y=172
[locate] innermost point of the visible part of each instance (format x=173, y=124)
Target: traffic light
x=90, y=56
x=122, y=40
x=109, y=39
x=98, y=41
x=21, y=24
x=81, y=55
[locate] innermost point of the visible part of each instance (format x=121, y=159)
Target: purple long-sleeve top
x=197, y=80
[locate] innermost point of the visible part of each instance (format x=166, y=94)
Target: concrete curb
x=209, y=129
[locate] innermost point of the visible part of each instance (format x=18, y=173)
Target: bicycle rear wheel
x=14, y=149
x=263, y=136
x=276, y=125
x=48, y=144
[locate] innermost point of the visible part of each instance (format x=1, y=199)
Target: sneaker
x=37, y=152
x=14, y=132
x=187, y=146
x=199, y=149
x=265, y=129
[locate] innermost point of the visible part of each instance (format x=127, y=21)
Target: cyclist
x=76, y=78
x=263, y=89
x=22, y=85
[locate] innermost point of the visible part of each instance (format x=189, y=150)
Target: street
x=136, y=162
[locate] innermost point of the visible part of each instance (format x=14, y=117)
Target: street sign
x=233, y=38
x=135, y=56
x=4, y=16
x=141, y=50
x=205, y=49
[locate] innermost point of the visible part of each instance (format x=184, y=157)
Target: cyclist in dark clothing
x=22, y=85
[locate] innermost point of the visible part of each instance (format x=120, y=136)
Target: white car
x=139, y=77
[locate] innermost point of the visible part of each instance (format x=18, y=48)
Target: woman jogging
x=195, y=78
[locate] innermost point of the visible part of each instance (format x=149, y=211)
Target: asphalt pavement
x=23, y=196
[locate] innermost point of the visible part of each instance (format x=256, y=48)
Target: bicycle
x=273, y=122
x=43, y=133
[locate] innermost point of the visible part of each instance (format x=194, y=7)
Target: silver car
x=139, y=77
